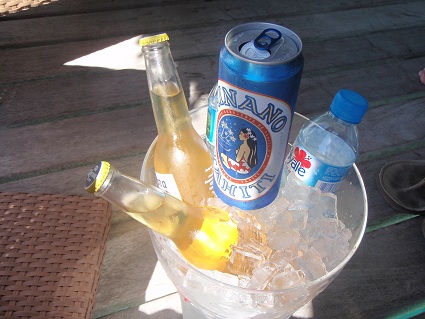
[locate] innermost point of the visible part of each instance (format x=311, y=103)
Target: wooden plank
x=89, y=26
x=103, y=91
x=70, y=142
x=47, y=61
x=61, y=7
x=391, y=125
x=168, y=307
x=98, y=91
x=379, y=210
x=121, y=133
x=69, y=180
x=384, y=275
x=165, y=19
x=130, y=273
x=20, y=64
x=379, y=82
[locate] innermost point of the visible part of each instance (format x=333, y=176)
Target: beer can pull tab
x=267, y=39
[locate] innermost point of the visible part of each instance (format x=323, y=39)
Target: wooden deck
x=60, y=114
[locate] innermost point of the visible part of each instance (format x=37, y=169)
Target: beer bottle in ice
x=203, y=235
x=182, y=163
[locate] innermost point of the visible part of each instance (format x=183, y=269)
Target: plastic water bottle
x=326, y=147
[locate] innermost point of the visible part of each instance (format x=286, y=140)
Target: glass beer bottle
x=203, y=235
x=182, y=163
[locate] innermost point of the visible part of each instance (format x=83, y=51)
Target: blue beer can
x=259, y=76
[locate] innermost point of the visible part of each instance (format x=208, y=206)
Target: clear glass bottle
x=182, y=162
x=203, y=235
x=326, y=147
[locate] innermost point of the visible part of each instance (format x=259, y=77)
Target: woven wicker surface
x=51, y=249
x=12, y=6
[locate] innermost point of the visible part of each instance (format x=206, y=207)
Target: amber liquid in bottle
x=179, y=151
x=182, y=163
x=203, y=235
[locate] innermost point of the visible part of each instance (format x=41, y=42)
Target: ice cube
x=299, y=219
x=246, y=257
x=325, y=207
x=262, y=275
x=282, y=257
x=286, y=277
x=248, y=233
x=333, y=249
x=322, y=227
x=243, y=281
x=299, y=195
x=268, y=216
x=311, y=264
x=279, y=239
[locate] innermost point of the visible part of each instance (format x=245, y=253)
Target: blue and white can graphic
x=255, y=110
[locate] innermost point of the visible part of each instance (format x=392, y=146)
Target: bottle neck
x=129, y=194
x=345, y=130
x=166, y=92
x=150, y=206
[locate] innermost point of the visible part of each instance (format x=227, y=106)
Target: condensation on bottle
x=203, y=235
x=182, y=162
x=326, y=147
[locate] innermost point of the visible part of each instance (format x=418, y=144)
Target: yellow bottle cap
x=97, y=177
x=153, y=39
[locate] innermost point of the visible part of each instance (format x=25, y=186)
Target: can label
x=211, y=122
x=312, y=171
x=251, y=138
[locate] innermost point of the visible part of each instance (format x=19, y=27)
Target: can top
x=97, y=177
x=281, y=50
x=153, y=39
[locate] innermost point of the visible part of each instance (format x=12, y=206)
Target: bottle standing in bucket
x=326, y=148
x=203, y=235
x=259, y=75
x=182, y=163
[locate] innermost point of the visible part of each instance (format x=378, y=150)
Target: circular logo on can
x=243, y=146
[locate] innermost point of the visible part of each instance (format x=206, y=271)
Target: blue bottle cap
x=349, y=106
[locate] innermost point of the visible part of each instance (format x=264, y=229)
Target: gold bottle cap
x=153, y=39
x=97, y=177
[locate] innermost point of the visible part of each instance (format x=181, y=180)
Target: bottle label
x=251, y=137
x=312, y=171
x=167, y=183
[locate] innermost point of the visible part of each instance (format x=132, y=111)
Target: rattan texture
x=51, y=250
x=12, y=6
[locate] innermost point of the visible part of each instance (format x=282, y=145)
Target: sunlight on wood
x=121, y=56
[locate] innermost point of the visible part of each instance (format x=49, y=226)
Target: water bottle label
x=167, y=183
x=312, y=171
x=251, y=137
